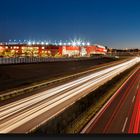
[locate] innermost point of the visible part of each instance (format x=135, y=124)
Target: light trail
x=65, y=86
x=20, y=112
x=15, y=107
x=121, y=112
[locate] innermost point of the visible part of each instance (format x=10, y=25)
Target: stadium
x=50, y=50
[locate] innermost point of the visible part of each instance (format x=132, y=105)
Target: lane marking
x=133, y=99
x=133, y=116
x=99, y=80
x=101, y=66
x=121, y=102
x=102, y=110
x=137, y=117
x=124, y=124
x=40, y=107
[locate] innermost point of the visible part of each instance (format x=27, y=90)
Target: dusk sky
x=114, y=23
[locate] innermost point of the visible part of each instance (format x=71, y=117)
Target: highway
x=121, y=114
x=25, y=115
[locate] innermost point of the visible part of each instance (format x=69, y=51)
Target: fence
x=18, y=60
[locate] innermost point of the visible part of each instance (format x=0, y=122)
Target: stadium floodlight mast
x=74, y=43
x=33, y=42
x=55, y=43
x=78, y=43
x=47, y=43
x=42, y=43
x=88, y=43
x=60, y=43
x=69, y=43
x=83, y=43
x=29, y=43
x=37, y=43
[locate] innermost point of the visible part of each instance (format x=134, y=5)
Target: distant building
x=50, y=50
x=124, y=52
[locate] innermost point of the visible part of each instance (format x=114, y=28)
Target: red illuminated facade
x=18, y=50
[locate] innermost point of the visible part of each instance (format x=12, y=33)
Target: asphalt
x=85, y=72
x=122, y=113
x=22, y=75
x=26, y=114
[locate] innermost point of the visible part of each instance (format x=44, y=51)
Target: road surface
x=121, y=114
x=26, y=114
x=22, y=75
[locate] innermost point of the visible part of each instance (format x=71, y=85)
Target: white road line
x=124, y=124
x=68, y=85
x=133, y=99
x=36, y=111
x=100, y=111
x=21, y=118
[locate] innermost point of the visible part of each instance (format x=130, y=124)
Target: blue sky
x=115, y=23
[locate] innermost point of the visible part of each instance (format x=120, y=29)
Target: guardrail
x=17, y=92
x=18, y=60
x=38, y=86
x=11, y=94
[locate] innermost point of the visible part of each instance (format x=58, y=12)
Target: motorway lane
x=53, y=92
x=83, y=74
x=50, y=94
x=122, y=113
x=46, y=106
x=59, y=107
x=135, y=119
x=26, y=114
